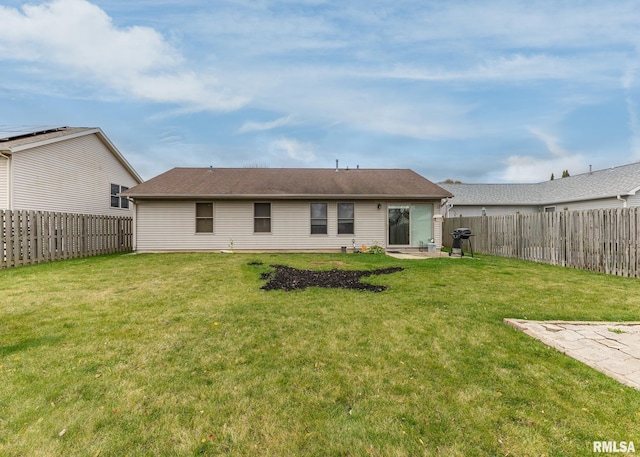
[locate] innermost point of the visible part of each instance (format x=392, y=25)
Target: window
x=116, y=200
x=345, y=219
x=318, y=218
x=262, y=217
x=204, y=217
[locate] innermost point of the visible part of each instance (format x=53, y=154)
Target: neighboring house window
x=116, y=200
x=204, y=217
x=345, y=218
x=318, y=218
x=262, y=217
x=549, y=209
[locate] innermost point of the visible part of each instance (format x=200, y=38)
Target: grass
x=183, y=354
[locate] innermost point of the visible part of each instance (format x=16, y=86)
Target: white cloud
x=262, y=126
x=80, y=42
x=292, y=149
x=516, y=67
x=522, y=169
x=552, y=143
x=634, y=127
x=538, y=169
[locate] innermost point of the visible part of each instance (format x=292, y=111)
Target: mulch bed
x=287, y=278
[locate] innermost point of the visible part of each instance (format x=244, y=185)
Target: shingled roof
x=15, y=140
x=12, y=140
x=610, y=182
x=287, y=183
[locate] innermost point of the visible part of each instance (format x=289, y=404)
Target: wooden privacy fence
x=603, y=240
x=30, y=237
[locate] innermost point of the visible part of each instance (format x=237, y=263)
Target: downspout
x=623, y=200
x=9, y=181
x=134, y=241
x=447, y=207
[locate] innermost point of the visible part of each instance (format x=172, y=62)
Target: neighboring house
x=73, y=170
x=615, y=187
x=285, y=209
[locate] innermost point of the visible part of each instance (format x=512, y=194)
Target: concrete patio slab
x=612, y=348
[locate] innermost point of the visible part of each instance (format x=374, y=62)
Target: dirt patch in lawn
x=287, y=278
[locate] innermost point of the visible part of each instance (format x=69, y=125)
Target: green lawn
x=183, y=354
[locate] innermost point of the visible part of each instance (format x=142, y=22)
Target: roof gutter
x=279, y=197
x=9, y=177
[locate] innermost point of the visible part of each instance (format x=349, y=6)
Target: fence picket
x=602, y=240
x=30, y=237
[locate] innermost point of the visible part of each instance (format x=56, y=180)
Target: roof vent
x=337, y=165
x=210, y=168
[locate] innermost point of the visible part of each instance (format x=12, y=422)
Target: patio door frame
x=411, y=228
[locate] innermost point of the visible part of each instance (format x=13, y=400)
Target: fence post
x=31, y=237
x=4, y=239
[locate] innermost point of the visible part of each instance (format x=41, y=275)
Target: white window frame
x=204, y=218
x=352, y=219
x=123, y=202
x=262, y=218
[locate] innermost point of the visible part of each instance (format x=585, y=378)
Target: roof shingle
x=287, y=183
x=622, y=180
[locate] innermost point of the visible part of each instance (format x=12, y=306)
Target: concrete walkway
x=610, y=347
x=416, y=254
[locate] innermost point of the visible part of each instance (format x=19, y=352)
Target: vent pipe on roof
x=589, y=169
x=336, y=165
x=210, y=168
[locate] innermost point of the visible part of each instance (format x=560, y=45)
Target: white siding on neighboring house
x=4, y=183
x=471, y=210
x=73, y=175
x=170, y=225
x=497, y=210
x=633, y=200
x=604, y=203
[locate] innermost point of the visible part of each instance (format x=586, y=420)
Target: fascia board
x=71, y=136
x=280, y=197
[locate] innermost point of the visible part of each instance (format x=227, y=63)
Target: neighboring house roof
x=610, y=182
x=229, y=183
x=16, y=140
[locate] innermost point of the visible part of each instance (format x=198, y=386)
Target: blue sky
x=477, y=91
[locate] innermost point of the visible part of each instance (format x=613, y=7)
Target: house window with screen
x=262, y=217
x=318, y=218
x=116, y=200
x=204, y=217
x=345, y=219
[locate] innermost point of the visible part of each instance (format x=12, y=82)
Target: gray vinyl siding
x=501, y=210
x=603, y=203
x=634, y=200
x=4, y=183
x=73, y=176
x=170, y=225
x=491, y=210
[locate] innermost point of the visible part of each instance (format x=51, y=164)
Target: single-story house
x=615, y=187
x=285, y=209
x=63, y=169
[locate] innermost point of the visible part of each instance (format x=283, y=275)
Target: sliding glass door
x=399, y=225
x=410, y=224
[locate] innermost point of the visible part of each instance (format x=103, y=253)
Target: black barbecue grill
x=459, y=235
